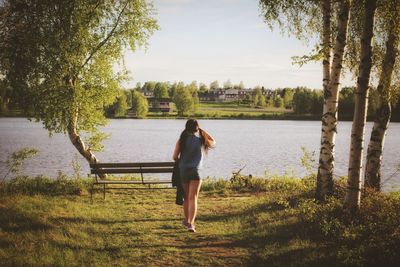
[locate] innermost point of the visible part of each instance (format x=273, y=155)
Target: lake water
x=263, y=146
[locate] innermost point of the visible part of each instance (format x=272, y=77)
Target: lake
x=264, y=147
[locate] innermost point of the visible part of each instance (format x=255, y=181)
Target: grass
x=234, y=107
x=231, y=110
x=249, y=222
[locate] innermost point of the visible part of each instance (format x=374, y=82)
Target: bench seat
x=102, y=169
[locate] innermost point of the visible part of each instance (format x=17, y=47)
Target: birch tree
x=331, y=81
x=304, y=18
x=353, y=193
x=389, y=21
x=63, y=53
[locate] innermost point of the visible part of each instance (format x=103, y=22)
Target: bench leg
x=91, y=193
x=104, y=191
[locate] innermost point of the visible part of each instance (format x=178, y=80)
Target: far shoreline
x=275, y=117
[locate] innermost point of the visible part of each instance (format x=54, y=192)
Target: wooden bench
x=99, y=169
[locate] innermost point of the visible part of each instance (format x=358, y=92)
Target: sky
x=221, y=40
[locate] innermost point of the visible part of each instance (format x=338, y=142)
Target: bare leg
x=194, y=189
x=186, y=202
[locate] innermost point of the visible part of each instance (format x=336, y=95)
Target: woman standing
x=189, y=149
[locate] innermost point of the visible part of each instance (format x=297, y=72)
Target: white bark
x=383, y=114
x=77, y=141
x=331, y=96
x=353, y=193
x=375, y=147
x=73, y=134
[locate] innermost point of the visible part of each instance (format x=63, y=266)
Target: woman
x=189, y=149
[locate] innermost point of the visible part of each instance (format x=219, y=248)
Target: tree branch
x=102, y=43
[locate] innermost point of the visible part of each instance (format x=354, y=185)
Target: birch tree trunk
x=353, y=193
x=383, y=113
x=77, y=141
x=331, y=80
x=73, y=134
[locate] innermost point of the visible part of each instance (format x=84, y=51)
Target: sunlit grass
x=128, y=227
x=239, y=108
x=246, y=222
x=228, y=110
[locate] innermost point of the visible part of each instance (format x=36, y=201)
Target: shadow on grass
x=78, y=248
x=322, y=256
x=79, y=220
x=12, y=220
x=223, y=216
x=4, y=244
x=274, y=236
x=286, y=240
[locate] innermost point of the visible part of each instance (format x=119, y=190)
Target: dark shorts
x=189, y=175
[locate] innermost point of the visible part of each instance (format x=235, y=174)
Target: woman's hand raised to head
x=208, y=138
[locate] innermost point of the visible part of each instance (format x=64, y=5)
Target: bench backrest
x=137, y=167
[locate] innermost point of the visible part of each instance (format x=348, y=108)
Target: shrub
x=249, y=183
x=210, y=184
x=16, y=159
x=371, y=237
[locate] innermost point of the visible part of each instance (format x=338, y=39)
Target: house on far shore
x=160, y=104
x=206, y=96
x=148, y=94
x=268, y=93
x=222, y=95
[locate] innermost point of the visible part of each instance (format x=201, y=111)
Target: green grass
x=231, y=110
x=249, y=222
x=234, y=107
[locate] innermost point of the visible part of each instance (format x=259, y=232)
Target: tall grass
x=62, y=185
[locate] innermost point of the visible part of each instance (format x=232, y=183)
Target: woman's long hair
x=190, y=128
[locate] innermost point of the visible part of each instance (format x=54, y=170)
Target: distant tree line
x=301, y=100
x=184, y=96
x=307, y=101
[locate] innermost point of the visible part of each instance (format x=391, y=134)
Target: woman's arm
x=177, y=150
